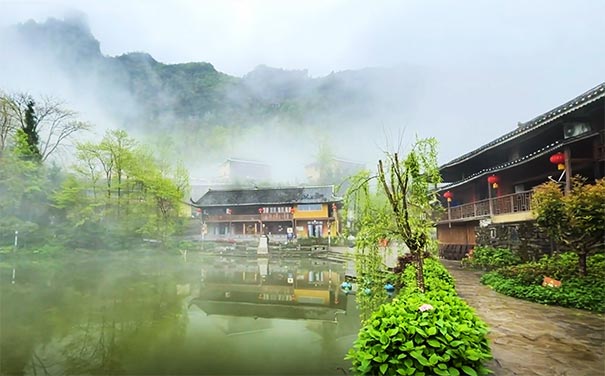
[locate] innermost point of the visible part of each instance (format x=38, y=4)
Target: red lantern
x=260, y=210
x=493, y=180
x=559, y=160
x=448, y=195
x=292, y=210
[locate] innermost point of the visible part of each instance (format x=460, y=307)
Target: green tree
x=368, y=219
x=46, y=123
x=408, y=185
x=27, y=136
x=142, y=193
x=575, y=221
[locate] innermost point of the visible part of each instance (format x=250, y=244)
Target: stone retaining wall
x=524, y=237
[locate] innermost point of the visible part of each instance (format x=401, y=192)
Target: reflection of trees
x=90, y=320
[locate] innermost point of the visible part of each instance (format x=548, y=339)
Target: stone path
x=533, y=339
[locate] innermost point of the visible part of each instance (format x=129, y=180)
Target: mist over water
x=159, y=314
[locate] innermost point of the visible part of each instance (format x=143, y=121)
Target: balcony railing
x=267, y=217
x=513, y=203
x=233, y=218
x=264, y=217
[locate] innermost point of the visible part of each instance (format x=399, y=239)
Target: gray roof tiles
x=267, y=196
x=581, y=100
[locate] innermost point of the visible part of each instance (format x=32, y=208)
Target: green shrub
x=562, y=267
x=584, y=293
x=490, y=258
x=444, y=338
x=525, y=281
x=401, y=339
x=436, y=277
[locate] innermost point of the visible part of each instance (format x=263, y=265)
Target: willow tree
x=402, y=208
x=409, y=187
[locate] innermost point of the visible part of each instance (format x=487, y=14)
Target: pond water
x=152, y=315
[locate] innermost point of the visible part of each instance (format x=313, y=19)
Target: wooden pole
x=489, y=193
x=567, y=154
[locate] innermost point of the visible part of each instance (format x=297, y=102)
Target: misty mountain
x=137, y=89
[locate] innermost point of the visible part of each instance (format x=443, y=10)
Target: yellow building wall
x=323, y=213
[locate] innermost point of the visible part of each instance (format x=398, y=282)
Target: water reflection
x=264, y=288
x=162, y=315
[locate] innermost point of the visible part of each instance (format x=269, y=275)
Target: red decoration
x=559, y=160
x=260, y=210
x=448, y=195
x=292, y=210
x=493, y=180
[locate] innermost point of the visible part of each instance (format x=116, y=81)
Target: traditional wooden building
x=490, y=188
x=277, y=212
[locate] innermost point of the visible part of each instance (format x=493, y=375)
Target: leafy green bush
x=431, y=333
x=436, y=277
x=584, y=293
x=490, y=258
x=525, y=281
x=423, y=334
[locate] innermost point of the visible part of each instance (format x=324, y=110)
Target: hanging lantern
x=559, y=160
x=292, y=210
x=493, y=180
x=228, y=211
x=449, y=196
x=260, y=210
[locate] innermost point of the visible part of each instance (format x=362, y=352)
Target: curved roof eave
x=580, y=101
x=538, y=153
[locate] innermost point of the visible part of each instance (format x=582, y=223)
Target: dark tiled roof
x=267, y=196
x=580, y=101
x=538, y=153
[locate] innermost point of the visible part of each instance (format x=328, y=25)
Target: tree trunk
x=582, y=257
x=419, y=271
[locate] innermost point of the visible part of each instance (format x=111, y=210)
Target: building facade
x=489, y=189
x=281, y=213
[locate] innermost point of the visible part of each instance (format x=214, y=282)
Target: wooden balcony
x=508, y=204
x=264, y=217
x=233, y=218
x=273, y=217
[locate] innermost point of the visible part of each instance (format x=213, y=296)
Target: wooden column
x=489, y=194
x=568, y=173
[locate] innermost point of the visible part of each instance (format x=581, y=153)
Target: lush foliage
x=121, y=188
x=116, y=192
x=525, y=281
x=406, y=184
x=431, y=333
x=490, y=258
x=576, y=220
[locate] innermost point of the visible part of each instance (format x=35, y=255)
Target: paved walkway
x=533, y=339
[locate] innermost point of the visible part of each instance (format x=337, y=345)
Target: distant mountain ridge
x=197, y=92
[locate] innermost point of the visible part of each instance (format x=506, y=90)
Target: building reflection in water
x=272, y=288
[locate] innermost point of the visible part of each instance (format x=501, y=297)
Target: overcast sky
x=327, y=35
x=487, y=64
